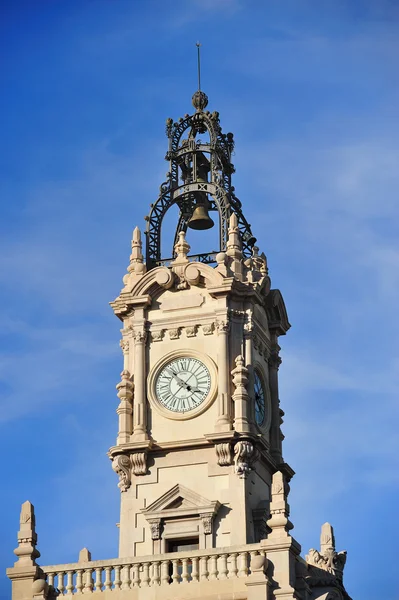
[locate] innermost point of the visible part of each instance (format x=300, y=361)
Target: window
x=182, y=545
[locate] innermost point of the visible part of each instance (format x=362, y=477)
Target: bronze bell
x=200, y=218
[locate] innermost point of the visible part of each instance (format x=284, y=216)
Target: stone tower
x=198, y=453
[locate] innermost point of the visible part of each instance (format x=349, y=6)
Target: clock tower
x=199, y=434
x=198, y=453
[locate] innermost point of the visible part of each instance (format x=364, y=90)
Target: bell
x=200, y=219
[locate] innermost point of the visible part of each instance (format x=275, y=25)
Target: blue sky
x=310, y=90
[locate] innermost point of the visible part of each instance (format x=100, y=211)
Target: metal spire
x=199, y=64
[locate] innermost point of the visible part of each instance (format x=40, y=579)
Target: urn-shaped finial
x=200, y=100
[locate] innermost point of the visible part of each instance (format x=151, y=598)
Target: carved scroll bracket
x=155, y=527
x=244, y=456
x=207, y=523
x=122, y=467
x=139, y=463
x=224, y=454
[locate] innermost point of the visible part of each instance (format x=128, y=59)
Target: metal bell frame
x=220, y=192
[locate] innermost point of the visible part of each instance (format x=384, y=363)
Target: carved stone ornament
x=208, y=329
x=125, y=387
x=124, y=344
x=41, y=589
x=207, y=522
x=139, y=463
x=222, y=326
x=27, y=537
x=224, y=454
x=279, y=522
x=165, y=278
x=328, y=559
x=243, y=457
x=174, y=334
x=274, y=359
x=192, y=274
x=122, y=467
x=191, y=331
x=140, y=336
x=157, y=336
x=155, y=527
x=181, y=249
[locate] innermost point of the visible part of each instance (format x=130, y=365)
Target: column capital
x=140, y=336
x=222, y=325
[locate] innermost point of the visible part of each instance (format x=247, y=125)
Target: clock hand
x=180, y=381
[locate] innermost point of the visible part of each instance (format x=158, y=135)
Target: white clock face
x=183, y=384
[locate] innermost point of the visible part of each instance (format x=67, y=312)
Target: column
x=248, y=345
x=275, y=432
x=224, y=408
x=139, y=408
x=124, y=410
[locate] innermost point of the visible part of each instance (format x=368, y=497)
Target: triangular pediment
x=180, y=497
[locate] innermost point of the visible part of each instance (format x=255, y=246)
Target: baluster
x=50, y=577
x=79, y=581
x=184, y=572
x=194, y=569
x=156, y=579
x=108, y=580
x=204, y=568
x=243, y=561
x=60, y=582
x=70, y=586
x=233, y=566
x=99, y=582
x=252, y=555
x=88, y=588
x=145, y=580
x=136, y=575
x=175, y=573
x=213, y=570
x=223, y=566
x=126, y=581
x=165, y=577
x=117, y=581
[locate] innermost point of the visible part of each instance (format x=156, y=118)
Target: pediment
x=180, y=500
x=276, y=312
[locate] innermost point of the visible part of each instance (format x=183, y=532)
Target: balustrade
x=167, y=569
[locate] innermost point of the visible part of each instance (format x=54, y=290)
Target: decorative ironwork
x=208, y=258
x=199, y=172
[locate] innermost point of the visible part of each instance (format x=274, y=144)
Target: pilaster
x=224, y=408
x=140, y=406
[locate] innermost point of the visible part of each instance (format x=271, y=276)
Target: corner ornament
x=122, y=467
x=244, y=456
x=328, y=559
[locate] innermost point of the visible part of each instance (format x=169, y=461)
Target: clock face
x=183, y=384
x=259, y=400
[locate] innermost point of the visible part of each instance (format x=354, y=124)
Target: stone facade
x=200, y=468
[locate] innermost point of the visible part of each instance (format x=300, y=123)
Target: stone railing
x=192, y=567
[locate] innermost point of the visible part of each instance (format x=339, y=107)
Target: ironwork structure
x=199, y=175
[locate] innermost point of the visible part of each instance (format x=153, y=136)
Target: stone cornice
x=124, y=304
x=130, y=447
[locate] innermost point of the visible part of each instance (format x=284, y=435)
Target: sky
x=310, y=90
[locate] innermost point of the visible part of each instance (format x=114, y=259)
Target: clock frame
x=157, y=369
x=258, y=374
